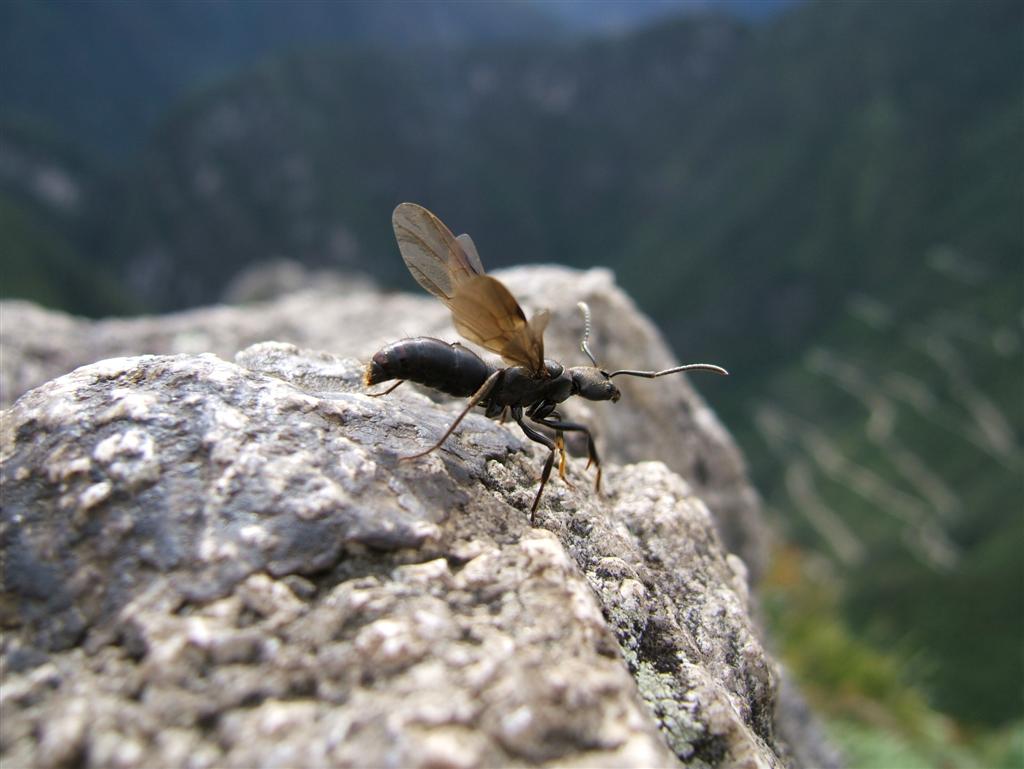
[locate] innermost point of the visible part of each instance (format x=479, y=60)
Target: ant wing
x=469, y=248
x=437, y=259
x=485, y=312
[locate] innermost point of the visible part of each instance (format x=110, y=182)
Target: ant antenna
x=630, y=372
x=586, y=332
x=689, y=367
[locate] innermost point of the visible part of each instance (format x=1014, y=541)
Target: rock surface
x=208, y=563
x=661, y=419
x=213, y=563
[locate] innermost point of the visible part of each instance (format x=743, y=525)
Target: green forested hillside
x=50, y=206
x=874, y=274
x=41, y=265
x=830, y=205
x=543, y=152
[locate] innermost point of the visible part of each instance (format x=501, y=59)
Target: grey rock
x=225, y=564
x=279, y=277
x=661, y=419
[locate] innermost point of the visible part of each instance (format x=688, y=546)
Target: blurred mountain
x=853, y=220
x=545, y=153
x=828, y=204
x=105, y=71
x=619, y=17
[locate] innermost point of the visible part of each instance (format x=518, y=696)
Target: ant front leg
x=533, y=435
x=551, y=420
x=538, y=412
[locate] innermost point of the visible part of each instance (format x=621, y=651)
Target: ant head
x=593, y=384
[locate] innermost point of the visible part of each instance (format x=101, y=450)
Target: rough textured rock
x=224, y=564
x=663, y=419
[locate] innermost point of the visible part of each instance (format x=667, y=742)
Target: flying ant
x=485, y=312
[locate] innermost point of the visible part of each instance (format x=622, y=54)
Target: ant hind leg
x=387, y=391
x=485, y=390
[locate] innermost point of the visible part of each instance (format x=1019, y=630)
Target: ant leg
x=541, y=411
x=533, y=435
x=387, y=391
x=489, y=384
x=592, y=457
x=547, y=412
x=563, y=460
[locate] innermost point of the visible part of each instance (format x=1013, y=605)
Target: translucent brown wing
x=430, y=251
x=483, y=310
x=469, y=247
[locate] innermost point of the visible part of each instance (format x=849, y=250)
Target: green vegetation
x=872, y=708
x=41, y=265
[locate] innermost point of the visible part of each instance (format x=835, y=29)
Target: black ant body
x=486, y=313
